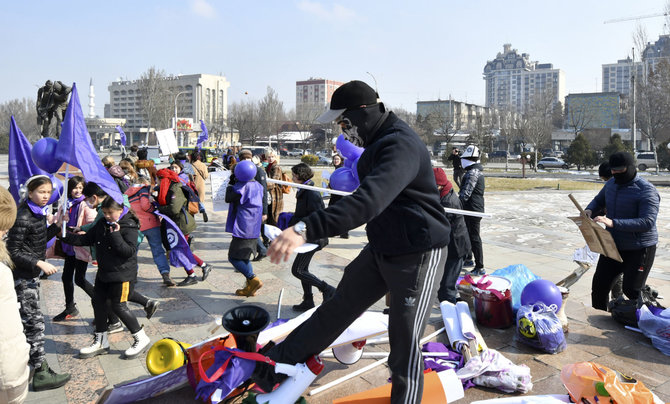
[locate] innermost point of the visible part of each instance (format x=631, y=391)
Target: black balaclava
x=618, y=161
x=360, y=124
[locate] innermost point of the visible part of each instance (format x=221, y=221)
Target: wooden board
x=598, y=239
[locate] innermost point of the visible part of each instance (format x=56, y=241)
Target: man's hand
x=604, y=220
x=284, y=244
x=588, y=213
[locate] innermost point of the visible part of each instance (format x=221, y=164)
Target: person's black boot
x=68, y=314
x=307, y=303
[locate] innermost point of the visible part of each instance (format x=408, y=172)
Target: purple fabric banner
x=21, y=165
x=75, y=147
x=180, y=252
x=122, y=134
x=203, y=136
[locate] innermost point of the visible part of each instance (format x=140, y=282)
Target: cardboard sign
x=219, y=181
x=598, y=239
x=167, y=142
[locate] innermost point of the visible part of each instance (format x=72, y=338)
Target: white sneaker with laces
x=100, y=346
x=140, y=343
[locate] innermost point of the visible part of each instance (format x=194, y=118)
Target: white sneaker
x=100, y=346
x=140, y=343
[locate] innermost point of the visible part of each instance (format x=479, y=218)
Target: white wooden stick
x=368, y=367
x=343, y=193
x=64, y=199
x=381, y=354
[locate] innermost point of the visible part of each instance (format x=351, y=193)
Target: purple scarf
x=38, y=210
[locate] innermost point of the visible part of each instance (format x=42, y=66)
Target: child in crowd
x=27, y=245
x=94, y=198
x=307, y=201
x=14, y=350
x=141, y=201
x=115, y=239
x=459, y=245
x=77, y=258
x=244, y=222
x=173, y=202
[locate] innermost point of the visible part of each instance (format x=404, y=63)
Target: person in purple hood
x=245, y=215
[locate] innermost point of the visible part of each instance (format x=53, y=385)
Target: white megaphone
x=300, y=376
x=348, y=354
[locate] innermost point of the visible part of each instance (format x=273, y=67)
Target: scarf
x=167, y=177
x=38, y=210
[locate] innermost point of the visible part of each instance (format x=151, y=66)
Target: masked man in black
x=408, y=235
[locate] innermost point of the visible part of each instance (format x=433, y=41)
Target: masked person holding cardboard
x=408, y=235
x=632, y=208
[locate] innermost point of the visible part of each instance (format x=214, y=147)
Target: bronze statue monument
x=52, y=99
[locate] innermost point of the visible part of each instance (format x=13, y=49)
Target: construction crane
x=639, y=17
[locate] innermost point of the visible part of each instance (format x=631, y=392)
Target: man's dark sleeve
x=391, y=172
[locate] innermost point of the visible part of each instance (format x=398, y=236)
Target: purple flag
x=122, y=133
x=203, y=136
x=75, y=147
x=180, y=252
x=21, y=165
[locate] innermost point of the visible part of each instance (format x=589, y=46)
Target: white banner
x=167, y=142
x=219, y=181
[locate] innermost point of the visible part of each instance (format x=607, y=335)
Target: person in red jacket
x=139, y=196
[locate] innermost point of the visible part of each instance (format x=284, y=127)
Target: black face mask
x=625, y=177
x=359, y=125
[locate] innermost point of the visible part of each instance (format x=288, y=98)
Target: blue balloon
x=58, y=190
x=343, y=179
x=245, y=170
x=541, y=290
x=347, y=149
x=43, y=153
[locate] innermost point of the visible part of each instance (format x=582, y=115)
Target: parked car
x=324, y=161
x=645, y=160
x=499, y=154
x=552, y=162
x=295, y=153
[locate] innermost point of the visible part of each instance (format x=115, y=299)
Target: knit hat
x=620, y=160
x=7, y=210
x=441, y=179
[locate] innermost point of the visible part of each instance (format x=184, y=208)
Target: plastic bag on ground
x=656, y=327
x=538, y=325
x=492, y=369
x=520, y=276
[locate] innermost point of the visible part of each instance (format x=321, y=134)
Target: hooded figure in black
x=407, y=232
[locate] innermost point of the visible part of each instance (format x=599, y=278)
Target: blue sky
x=418, y=50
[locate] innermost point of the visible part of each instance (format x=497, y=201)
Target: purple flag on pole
x=203, y=136
x=180, y=252
x=122, y=134
x=75, y=147
x=21, y=165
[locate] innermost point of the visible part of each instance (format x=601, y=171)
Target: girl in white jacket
x=13, y=346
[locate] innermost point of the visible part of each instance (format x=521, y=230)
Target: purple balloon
x=542, y=290
x=347, y=149
x=245, y=170
x=43, y=153
x=343, y=179
x=58, y=190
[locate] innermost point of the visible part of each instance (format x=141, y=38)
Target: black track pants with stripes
x=412, y=280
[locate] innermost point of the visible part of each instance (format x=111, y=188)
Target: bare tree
x=653, y=105
x=156, y=97
x=244, y=116
x=578, y=116
x=24, y=113
x=439, y=122
x=271, y=113
x=539, y=120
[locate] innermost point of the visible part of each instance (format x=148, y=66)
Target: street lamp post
x=181, y=140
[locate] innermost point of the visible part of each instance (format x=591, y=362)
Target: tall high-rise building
x=653, y=53
x=312, y=96
x=616, y=76
x=203, y=96
x=513, y=81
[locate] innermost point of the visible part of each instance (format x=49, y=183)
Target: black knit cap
x=350, y=95
x=621, y=160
